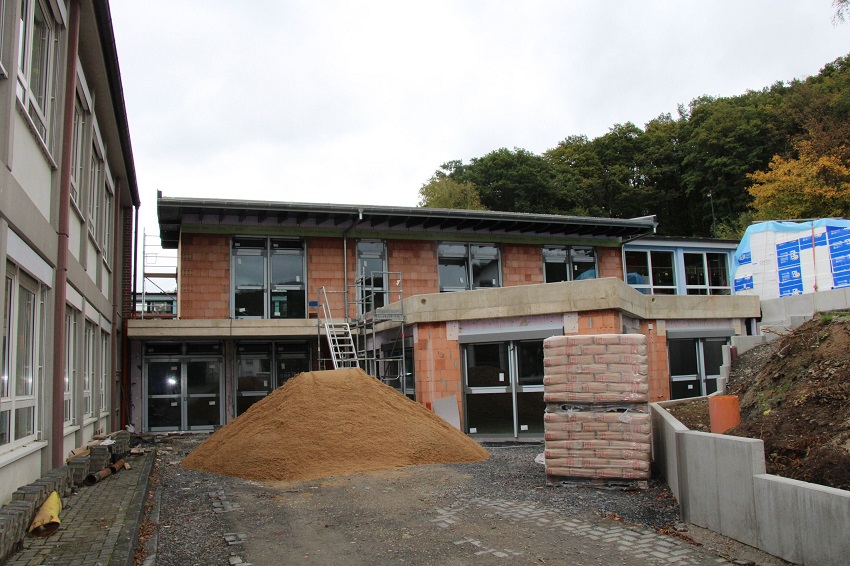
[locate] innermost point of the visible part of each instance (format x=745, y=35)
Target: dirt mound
x=799, y=403
x=331, y=423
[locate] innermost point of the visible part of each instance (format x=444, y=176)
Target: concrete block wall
x=521, y=264
x=720, y=484
x=204, y=276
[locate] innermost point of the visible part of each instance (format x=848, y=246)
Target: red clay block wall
x=437, y=370
x=521, y=264
x=417, y=262
x=204, y=276
x=599, y=322
x=325, y=267
x=659, y=373
x=610, y=262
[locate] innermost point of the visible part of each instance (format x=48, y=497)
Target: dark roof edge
x=103, y=15
x=647, y=222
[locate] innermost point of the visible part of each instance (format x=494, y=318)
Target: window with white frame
x=89, y=369
x=37, y=60
x=22, y=368
x=95, y=194
x=651, y=272
x=4, y=5
x=78, y=150
x=103, y=382
x=108, y=220
x=566, y=263
x=70, y=365
x=468, y=266
x=707, y=273
x=268, y=278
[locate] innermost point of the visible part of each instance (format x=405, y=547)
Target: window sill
x=70, y=429
x=45, y=151
x=16, y=453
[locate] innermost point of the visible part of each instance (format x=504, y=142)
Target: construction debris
x=331, y=423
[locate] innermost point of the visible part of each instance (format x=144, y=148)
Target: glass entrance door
x=183, y=395
x=694, y=366
x=165, y=393
x=503, y=386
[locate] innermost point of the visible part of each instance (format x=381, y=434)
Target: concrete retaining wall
x=720, y=484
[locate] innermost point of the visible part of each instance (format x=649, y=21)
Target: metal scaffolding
x=374, y=323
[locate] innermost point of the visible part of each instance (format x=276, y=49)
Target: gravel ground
x=389, y=517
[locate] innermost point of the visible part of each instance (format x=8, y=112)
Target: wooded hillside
x=781, y=152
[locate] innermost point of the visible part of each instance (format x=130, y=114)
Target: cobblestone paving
x=99, y=523
x=641, y=544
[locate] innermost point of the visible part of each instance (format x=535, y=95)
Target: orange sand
x=331, y=423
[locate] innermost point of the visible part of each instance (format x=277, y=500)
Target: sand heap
x=331, y=423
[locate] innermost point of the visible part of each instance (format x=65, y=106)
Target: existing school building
x=441, y=304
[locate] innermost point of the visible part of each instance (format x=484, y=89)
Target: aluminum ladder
x=340, y=340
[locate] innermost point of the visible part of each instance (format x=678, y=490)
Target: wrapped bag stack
x=596, y=390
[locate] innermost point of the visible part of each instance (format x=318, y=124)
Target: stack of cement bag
x=596, y=390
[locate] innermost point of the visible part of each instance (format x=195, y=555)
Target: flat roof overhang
x=190, y=215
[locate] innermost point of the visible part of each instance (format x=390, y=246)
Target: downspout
x=60, y=295
x=125, y=373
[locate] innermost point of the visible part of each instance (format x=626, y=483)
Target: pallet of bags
x=605, y=445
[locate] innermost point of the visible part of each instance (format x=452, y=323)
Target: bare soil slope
x=798, y=401
x=331, y=423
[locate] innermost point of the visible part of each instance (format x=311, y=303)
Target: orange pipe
x=724, y=412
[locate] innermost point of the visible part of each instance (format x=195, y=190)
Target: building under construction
x=444, y=305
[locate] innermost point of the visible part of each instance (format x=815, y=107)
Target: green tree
x=511, y=180
x=441, y=191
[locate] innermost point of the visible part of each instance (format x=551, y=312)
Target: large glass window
x=651, y=272
x=468, y=266
x=36, y=65
x=104, y=380
x=78, y=150
x=564, y=263
x=706, y=274
x=21, y=380
x=371, y=275
x=89, y=369
x=70, y=365
x=268, y=278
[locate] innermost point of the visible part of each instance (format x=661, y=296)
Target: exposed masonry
x=635, y=541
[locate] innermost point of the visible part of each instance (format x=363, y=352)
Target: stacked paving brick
x=17, y=515
x=596, y=389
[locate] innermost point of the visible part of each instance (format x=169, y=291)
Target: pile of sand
x=331, y=423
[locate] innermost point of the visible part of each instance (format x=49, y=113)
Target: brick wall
x=521, y=264
x=326, y=268
x=417, y=262
x=437, y=365
x=204, y=276
x=659, y=372
x=610, y=262
x=127, y=258
x=600, y=322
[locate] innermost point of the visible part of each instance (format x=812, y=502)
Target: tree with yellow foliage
x=810, y=186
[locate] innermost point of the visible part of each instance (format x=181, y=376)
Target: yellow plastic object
x=46, y=521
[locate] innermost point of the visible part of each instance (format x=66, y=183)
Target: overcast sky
x=359, y=102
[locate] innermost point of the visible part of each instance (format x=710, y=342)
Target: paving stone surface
x=99, y=523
